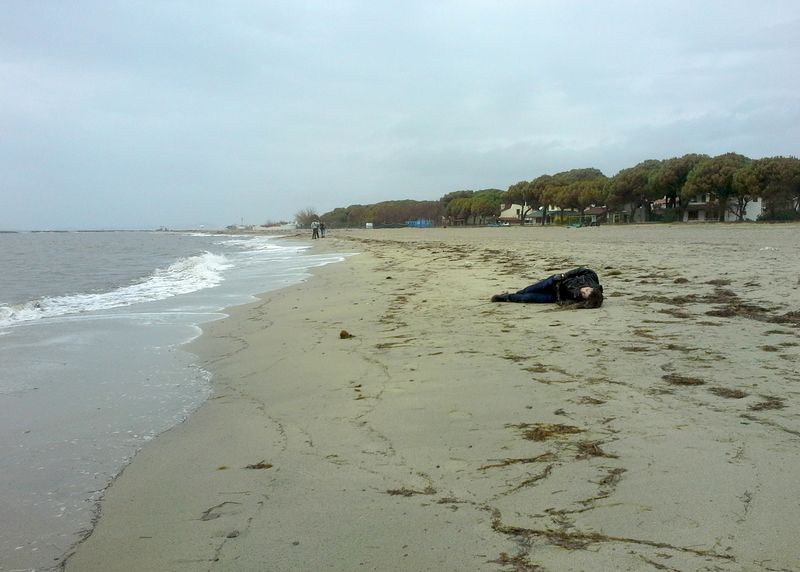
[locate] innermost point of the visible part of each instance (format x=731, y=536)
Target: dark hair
x=595, y=300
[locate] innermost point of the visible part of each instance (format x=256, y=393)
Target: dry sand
x=659, y=432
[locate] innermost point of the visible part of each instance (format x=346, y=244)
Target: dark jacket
x=570, y=284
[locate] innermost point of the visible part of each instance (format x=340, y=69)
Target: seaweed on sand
x=543, y=458
x=406, y=492
x=588, y=449
x=612, y=478
x=770, y=402
x=544, y=431
x=260, y=465
x=576, y=540
x=519, y=563
x=586, y=400
x=730, y=393
x=675, y=379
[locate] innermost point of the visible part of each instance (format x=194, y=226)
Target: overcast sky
x=138, y=114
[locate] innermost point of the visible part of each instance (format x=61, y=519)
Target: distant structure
x=420, y=223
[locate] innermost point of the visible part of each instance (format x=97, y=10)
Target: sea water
x=92, y=326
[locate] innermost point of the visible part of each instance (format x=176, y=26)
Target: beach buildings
x=511, y=214
x=699, y=209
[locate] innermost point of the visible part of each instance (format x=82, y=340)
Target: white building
x=513, y=212
x=700, y=209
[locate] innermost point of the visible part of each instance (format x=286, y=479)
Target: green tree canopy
x=486, y=203
x=670, y=177
x=575, y=189
x=776, y=180
x=473, y=206
x=715, y=177
x=456, y=195
x=632, y=186
x=460, y=208
x=383, y=213
x=731, y=179
x=522, y=194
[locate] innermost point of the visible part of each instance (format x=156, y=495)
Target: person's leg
x=542, y=292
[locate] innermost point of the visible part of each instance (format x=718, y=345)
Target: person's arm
x=578, y=272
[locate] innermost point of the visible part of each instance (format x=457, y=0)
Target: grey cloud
x=115, y=114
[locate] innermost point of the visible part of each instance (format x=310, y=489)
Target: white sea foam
x=182, y=277
x=260, y=244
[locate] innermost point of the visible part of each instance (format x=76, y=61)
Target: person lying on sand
x=579, y=287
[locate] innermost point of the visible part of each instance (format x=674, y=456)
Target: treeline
x=387, y=213
x=731, y=181
x=469, y=207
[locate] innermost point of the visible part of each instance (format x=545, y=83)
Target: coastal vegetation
x=731, y=180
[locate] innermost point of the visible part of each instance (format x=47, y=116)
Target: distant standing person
x=321, y=229
x=579, y=287
x=314, y=229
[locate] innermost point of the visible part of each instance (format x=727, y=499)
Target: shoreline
x=452, y=433
x=94, y=371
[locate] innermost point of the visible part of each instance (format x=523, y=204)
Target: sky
x=140, y=114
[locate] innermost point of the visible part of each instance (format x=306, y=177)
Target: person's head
x=593, y=299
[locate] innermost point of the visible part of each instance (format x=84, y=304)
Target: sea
x=93, y=360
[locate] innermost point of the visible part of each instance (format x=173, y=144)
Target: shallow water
x=92, y=327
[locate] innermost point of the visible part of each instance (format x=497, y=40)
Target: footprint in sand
x=223, y=509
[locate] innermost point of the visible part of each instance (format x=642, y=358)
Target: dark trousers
x=542, y=292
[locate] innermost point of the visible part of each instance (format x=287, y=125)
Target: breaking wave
x=182, y=277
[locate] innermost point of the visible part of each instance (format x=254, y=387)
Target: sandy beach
x=384, y=415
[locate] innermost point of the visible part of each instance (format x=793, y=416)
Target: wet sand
x=385, y=415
